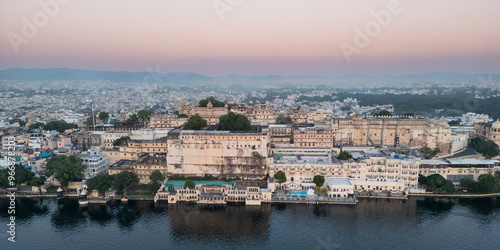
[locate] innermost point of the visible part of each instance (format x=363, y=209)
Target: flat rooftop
x=311, y=159
x=339, y=181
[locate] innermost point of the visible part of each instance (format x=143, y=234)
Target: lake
x=417, y=223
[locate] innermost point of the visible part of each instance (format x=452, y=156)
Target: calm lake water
x=371, y=224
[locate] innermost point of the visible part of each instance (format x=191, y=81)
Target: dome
x=496, y=124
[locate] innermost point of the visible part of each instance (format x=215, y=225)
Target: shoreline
x=144, y=198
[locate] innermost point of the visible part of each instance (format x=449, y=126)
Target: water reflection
x=435, y=205
x=127, y=215
x=484, y=206
x=99, y=213
x=68, y=215
x=25, y=208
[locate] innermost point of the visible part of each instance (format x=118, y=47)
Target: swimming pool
x=299, y=192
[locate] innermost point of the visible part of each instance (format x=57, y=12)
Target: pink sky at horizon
x=286, y=37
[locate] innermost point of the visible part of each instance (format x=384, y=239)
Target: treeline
x=58, y=126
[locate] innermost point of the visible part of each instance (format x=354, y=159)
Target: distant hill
x=65, y=74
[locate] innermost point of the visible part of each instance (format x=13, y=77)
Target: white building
x=94, y=162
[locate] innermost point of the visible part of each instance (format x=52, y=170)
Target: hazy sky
x=288, y=37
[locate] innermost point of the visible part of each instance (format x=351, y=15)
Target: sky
x=253, y=37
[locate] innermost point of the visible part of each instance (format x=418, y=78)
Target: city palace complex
x=384, y=152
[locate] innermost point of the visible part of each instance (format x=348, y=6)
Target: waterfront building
x=457, y=169
x=143, y=166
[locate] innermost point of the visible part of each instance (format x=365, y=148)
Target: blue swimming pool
x=299, y=192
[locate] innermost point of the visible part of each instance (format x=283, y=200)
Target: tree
x=36, y=125
x=282, y=119
x=124, y=179
x=487, y=183
x=21, y=175
x=157, y=176
x=144, y=115
x=467, y=183
x=454, y=123
x=344, y=156
x=234, y=122
x=120, y=141
x=429, y=153
x=182, y=116
x=488, y=149
x=21, y=122
x=133, y=118
x=153, y=186
x=101, y=182
x=65, y=168
x=280, y=176
x=59, y=126
x=195, y=122
x=319, y=180
x=215, y=102
x=437, y=182
x=383, y=113
x=103, y=116
x=189, y=184
x=37, y=181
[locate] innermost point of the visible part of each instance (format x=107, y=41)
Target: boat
x=124, y=199
x=82, y=199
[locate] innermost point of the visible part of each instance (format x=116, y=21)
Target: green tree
x=344, y=156
x=144, y=115
x=467, y=183
x=65, y=168
x=454, y=123
x=59, y=126
x=488, y=149
x=429, y=153
x=103, y=116
x=487, y=183
x=124, y=179
x=189, y=184
x=153, y=186
x=120, y=141
x=101, y=182
x=195, y=122
x=36, y=125
x=133, y=118
x=215, y=102
x=21, y=122
x=21, y=175
x=182, y=116
x=282, y=119
x=319, y=180
x=280, y=176
x=157, y=176
x=437, y=182
x=234, y=122
x=383, y=113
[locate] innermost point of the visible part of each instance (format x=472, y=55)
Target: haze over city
x=283, y=37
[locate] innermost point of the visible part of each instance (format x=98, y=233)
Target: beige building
x=209, y=113
x=488, y=131
x=135, y=148
x=392, y=131
x=143, y=166
x=109, y=137
x=166, y=121
x=218, y=153
x=301, y=169
x=457, y=169
x=313, y=137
